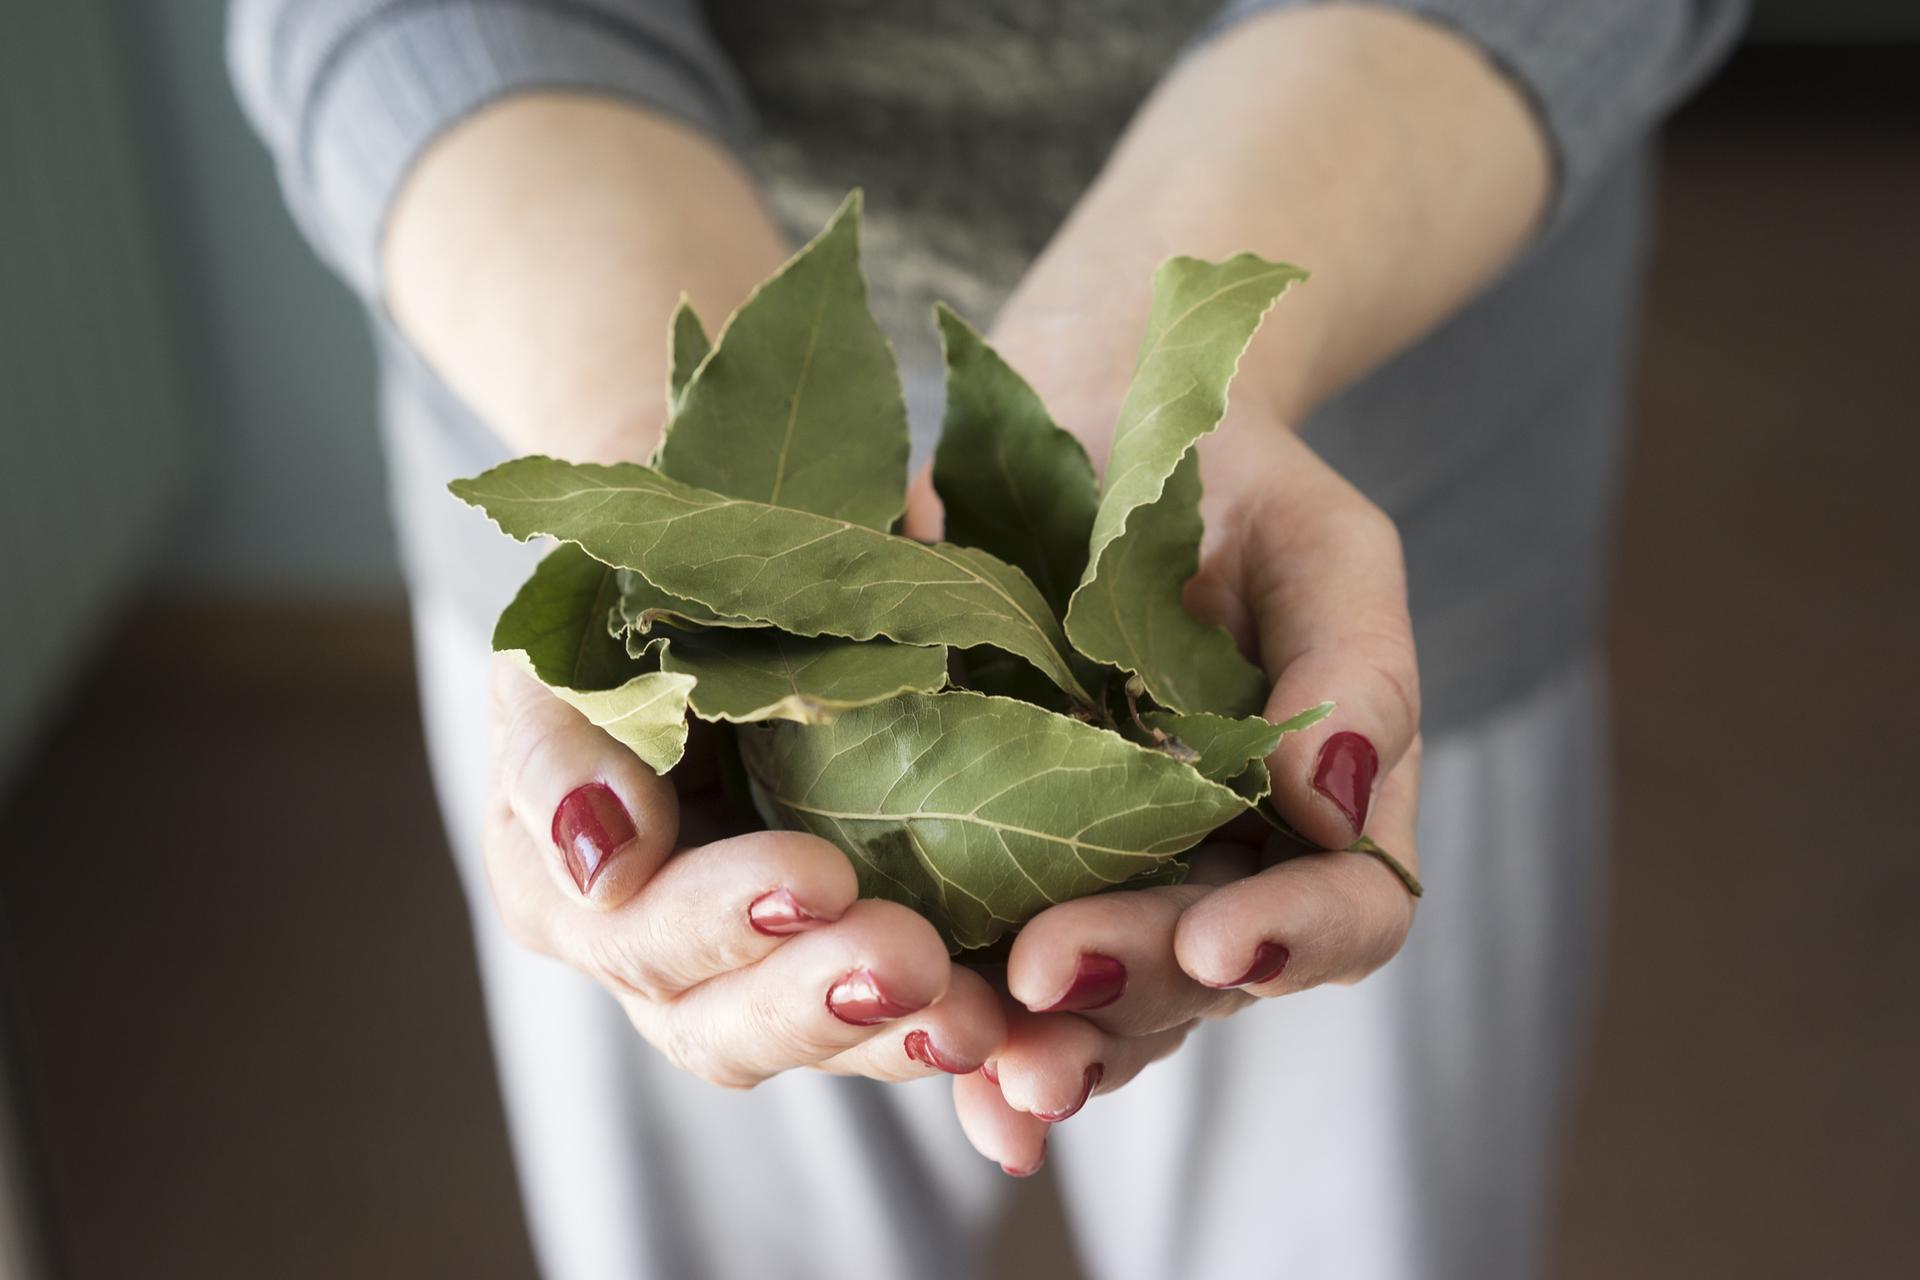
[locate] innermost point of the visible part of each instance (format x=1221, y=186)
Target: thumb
x=1326, y=585
x=608, y=819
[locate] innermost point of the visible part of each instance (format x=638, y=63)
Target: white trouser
x=1401, y=1128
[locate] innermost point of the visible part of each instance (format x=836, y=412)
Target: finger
x=1325, y=917
x=955, y=1036
x=1110, y=956
x=607, y=818
x=712, y=910
x=1054, y=1063
x=1326, y=584
x=925, y=514
x=816, y=996
x=1012, y=1139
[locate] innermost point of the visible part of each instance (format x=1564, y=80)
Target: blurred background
x=241, y=1032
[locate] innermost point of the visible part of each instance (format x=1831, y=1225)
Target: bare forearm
x=1382, y=153
x=537, y=251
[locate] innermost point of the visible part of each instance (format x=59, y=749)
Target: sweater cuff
x=1598, y=74
x=385, y=90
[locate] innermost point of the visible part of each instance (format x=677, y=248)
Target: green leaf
x=687, y=346
x=799, y=403
x=1146, y=535
x=559, y=620
x=557, y=624
x=980, y=812
x=761, y=674
x=640, y=606
x=803, y=573
x=1228, y=751
x=648, y=714
x=1013, y=483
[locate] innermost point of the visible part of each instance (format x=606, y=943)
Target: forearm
x=537, y=250
x=1381, y=152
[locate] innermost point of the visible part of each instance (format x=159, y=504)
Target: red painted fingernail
x=859, y=999
x=1097, y=982
x=1092, y=1079
x=991, y=1072
x=777, y=914
x=1345, y=773
x=1269, y=959
x=920, y=1049
x=589, y=827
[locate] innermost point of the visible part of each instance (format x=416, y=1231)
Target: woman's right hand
x=737, y=959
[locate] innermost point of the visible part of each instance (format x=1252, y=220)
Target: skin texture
x=534, y=258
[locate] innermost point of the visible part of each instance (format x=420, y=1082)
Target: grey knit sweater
x=974, y=124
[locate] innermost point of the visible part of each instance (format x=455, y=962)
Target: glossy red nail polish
x=991, y=1072
x=589, y=827
x=1347, y=767
x=1098, y=981
x=778, y=913
x=1092, y=1082
x=921, y=1049
x=1269, y=961
x=859, y=999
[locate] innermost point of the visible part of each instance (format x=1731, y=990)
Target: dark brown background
x=240, y=964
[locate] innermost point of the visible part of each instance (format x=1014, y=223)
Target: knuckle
x=688, y=1044
x=614, y=959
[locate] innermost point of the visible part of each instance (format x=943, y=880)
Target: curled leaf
x=1127, y=610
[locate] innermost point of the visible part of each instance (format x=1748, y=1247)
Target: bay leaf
x=981, y=812
x=804, y=573
x=687, y=346
x=556, y=626
x=1233, y=752
x=761, y=674
x=1012, y=481
x=1127, y=609
x=640, y=606
x=799, y=403
x=648, y=714
x=558, y=620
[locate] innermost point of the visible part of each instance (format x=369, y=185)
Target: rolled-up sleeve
x=1598, y=74
x=349, y=93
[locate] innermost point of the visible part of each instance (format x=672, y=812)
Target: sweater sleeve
x=348, y=93
x=1598, y=74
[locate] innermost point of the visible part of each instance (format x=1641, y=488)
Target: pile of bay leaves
x=1019, y=716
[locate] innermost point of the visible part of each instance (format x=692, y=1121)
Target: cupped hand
x=1306, y=573
x=738, y=958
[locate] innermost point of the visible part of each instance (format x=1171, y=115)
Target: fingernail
x=777, y=914
x=1345, y=775
x=859, y=999
x=589, y=827
x=1015, y=1171
x=1269, y=959
x=991, y=1072
x=1092, y=1079
x=920, y=1049
x=1097, y=982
